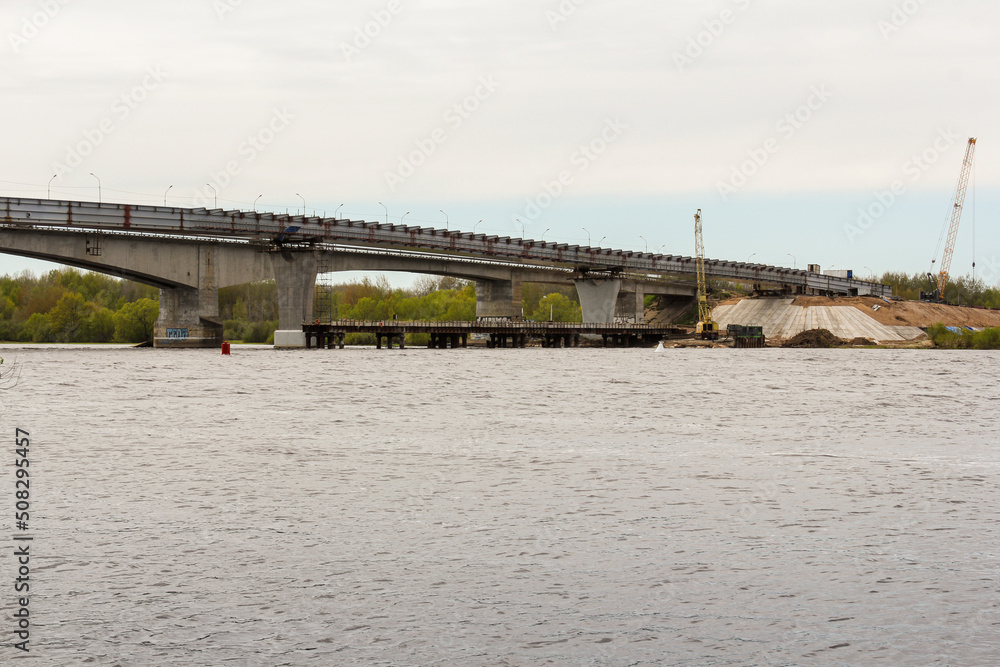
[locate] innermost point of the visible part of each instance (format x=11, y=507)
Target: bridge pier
x=631, y=305
x=598, y=298
x=390, y=338
x=499, y=298
x=295, y=279
x=189, y=317
x=442, y=341
x=189, y=314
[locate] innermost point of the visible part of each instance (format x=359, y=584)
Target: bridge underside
x=189, y=274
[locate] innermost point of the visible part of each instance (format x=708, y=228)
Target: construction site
x=827, y=321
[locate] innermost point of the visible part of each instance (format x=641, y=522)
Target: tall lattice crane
x=956, y=216
x=707, y=327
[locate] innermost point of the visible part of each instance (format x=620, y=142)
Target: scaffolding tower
x=323, y=294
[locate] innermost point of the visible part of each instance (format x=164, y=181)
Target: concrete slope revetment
x=781, y=319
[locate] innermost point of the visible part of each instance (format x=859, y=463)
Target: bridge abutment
x=295, y=279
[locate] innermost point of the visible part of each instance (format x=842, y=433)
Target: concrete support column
x=183, y=321
x=598, y=298
x=295, y=278
x=499, y=298
x=631, y=303
x=189, y=316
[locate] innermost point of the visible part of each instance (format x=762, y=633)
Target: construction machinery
x=937, y=295
x=707, y=328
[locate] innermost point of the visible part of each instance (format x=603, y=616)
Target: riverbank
x=883, y=322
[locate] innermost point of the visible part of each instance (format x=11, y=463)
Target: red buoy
x=225, y=347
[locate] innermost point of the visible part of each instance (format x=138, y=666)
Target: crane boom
x=956, y=216
x=699, y=254
x=707, y=327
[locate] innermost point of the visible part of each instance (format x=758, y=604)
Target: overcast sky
x=788, y=123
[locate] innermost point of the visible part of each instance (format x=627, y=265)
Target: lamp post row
x=447, y=220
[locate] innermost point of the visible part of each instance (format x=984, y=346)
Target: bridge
x=190, y=253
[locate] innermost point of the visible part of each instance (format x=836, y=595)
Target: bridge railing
x=275, y=228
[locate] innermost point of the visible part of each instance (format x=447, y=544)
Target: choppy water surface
x=511, y=507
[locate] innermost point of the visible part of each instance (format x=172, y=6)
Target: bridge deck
x=269, y=230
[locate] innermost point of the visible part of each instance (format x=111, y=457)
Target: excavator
x=707, y=328
x=937, y=295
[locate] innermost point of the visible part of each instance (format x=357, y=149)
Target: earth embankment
x=849, y=317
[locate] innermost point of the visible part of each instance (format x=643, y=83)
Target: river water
x=508, y=507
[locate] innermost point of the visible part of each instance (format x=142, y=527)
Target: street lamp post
x=476, y=225
x=601, y=241
x=255, y=202
x=522, y=226
x=303, y=203
x=644, y=241
x=215, y=193
x=165, y=195
x=403, y=216
x=794, y=265
x=588, y=236
x=386, y=212
x=748, y=258
x=337, y=211
x=446, y=221
x=98, y=187
x=544, y=233
x=48, y=188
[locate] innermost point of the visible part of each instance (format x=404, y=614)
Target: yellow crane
x=956, y=216
x=707, y=328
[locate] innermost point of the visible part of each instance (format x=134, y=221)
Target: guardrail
x=288, y=229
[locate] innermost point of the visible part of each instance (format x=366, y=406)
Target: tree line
x=67, y=305
x=960, y=290
x=70, y=306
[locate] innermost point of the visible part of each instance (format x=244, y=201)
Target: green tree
x=134, y=322
x=260, y=332
x=561, y=309
x=99, y=327
x=38, y=329
x=68, y=317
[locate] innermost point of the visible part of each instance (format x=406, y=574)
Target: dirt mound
x=909, y=313
x=860, y=341
x=813, y=338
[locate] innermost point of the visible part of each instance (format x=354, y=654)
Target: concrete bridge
x=191, y=253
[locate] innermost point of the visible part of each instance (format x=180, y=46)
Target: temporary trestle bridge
x=500, y=334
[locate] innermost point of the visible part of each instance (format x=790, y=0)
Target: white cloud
x=556, y=87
